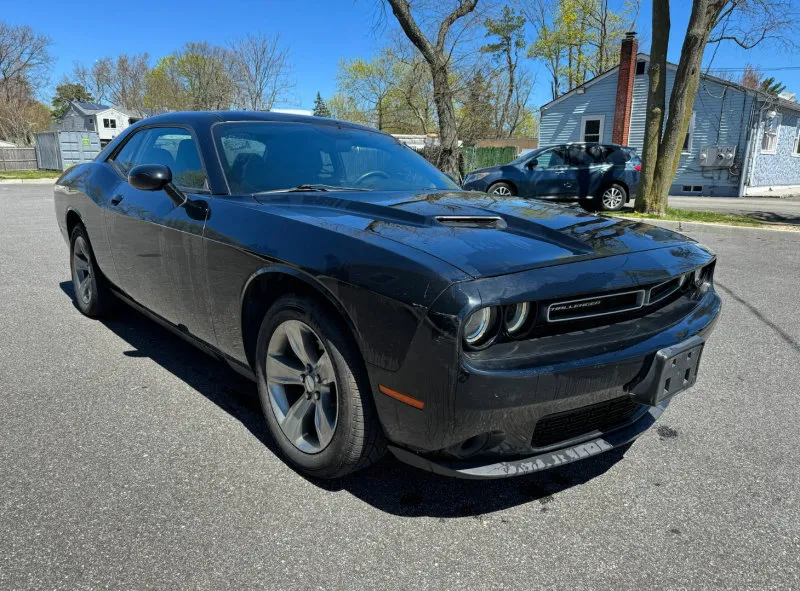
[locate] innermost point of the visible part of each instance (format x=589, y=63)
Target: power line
x=775, y=69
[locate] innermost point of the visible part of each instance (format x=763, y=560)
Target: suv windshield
x=263, y=156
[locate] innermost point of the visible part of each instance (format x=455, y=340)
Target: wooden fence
x=18, y=159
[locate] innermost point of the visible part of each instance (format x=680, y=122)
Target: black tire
x=500, y=187
x=92, y=294
x=357, y=439
x=613, y=197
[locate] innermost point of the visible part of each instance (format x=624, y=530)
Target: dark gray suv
x=600, y=176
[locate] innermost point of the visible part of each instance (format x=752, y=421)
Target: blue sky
x=318, y=33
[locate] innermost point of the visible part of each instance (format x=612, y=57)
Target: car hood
x=520, y=234
x=485, y=169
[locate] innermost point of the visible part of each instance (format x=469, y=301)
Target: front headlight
x=516, y=318
x=475, y=176
x=477, y=328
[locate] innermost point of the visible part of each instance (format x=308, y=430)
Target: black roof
x=210, y=117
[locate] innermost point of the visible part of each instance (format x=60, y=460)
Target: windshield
x=263, y=156
x=525, y=157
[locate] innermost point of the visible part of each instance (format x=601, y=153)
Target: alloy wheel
x=302, y=386
x=82, y=270
x=612, y=198
x=501, y=190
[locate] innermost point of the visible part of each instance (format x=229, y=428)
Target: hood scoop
x=481, y=222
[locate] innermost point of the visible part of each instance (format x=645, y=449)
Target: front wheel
x=502, y=189
x=314, y=390
x=613, y=198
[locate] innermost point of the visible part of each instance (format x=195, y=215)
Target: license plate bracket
x=673, y=370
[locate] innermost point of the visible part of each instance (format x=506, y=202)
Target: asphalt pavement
x=129, y=460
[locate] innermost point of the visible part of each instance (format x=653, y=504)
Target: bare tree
x=710, y=21
x=438, y=55
x=25, y=62
x=96, y=78
x=260, y=70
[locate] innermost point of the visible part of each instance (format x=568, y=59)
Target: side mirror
x=150, y=177
x=531, y=163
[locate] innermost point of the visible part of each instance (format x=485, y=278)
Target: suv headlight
x=475, y=176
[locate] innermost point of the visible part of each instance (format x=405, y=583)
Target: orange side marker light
x=409, y=400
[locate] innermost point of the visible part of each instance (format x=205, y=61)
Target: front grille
x=594, y=306
x=603, y=416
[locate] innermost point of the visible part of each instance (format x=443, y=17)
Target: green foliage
x=320, y=108
x=771, y=86
x=578, y=39
x=508, y=30
x=65, y=93
x=474, y=158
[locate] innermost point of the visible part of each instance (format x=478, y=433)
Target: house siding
x=780, y=168
x=561, y=123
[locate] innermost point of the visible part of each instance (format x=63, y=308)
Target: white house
x=108, y=122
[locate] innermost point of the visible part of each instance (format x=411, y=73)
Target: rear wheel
x=613, y=198
x=314, y=390
x=92, y=296
x=501, y=188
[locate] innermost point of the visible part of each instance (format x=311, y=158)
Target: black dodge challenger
x=377, y=305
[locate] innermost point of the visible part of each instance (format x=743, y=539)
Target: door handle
x=116, y=199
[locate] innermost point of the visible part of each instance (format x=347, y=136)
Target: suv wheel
x=502, y=188
x=613, y=198
x=314, y=390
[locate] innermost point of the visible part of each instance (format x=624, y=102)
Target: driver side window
x=551, y=158
x=173, y=147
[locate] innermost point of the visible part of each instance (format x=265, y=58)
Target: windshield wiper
x=311, y=188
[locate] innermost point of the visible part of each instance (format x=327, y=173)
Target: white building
x=108, y=122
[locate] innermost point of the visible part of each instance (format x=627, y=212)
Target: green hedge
x=472, y=158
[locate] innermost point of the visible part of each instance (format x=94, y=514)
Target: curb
x=27, y=181
x=682, y=226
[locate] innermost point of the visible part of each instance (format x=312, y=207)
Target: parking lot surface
x=129, y=460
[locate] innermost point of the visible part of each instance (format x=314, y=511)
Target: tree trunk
x=684, y=90
x=662, y=152
x=438, y=61
x=646, y=201
x=448, y=129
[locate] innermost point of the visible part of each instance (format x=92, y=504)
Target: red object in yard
x=637, y=167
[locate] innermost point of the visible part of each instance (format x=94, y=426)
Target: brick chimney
x=625, y=76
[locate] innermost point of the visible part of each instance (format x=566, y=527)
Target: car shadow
x=389, y=485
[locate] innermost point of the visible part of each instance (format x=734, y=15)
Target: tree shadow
x=771, y=217
x=389, y=485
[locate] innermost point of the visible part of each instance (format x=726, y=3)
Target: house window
x=113, y=123
x=592, y=128
x=688, y=140
x=769, y=140
x=796, y=145
x=106, y=123
x=641, y=67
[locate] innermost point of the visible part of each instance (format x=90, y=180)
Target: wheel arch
x=263, y=289
x=73, y=218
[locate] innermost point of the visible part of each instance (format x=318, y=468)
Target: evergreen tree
x=772, y=86
x=65, y=93
x=320, y=108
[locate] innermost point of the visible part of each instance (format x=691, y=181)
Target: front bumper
x=486, y=430
x=572, y=452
